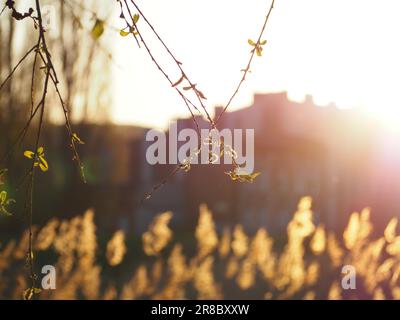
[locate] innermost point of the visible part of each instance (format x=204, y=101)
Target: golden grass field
x=227, y=265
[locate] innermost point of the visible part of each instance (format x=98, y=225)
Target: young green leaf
x=3, y=197
x=44, y=166
x=4, y=203
x=98, y=29
x=136, y=17
x=76, y=139
x=251, y=42
x=185, y=166
x=257, y=46
x=39, y=159
x=255, y=175
x=123, y=33
x=28, y=293
x=242, y=177
x=29, y=154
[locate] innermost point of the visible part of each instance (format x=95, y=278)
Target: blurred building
x=300, y=149
x=342, y=158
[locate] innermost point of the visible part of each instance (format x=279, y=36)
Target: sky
x=342, y=51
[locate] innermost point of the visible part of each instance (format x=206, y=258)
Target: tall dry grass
x=227, y=264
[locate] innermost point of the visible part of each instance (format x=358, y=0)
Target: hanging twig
x=42, y=51
x=200, y=96
x=213, y=124
x=247, y=69
x=17, y=65
x=132, y=24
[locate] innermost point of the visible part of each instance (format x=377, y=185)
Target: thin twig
x=42, y=104
x=33, y=76
x=42, y=51
x=149, y=194
x=2, y=10
x=184, y=98
x=247, y=69
x=177, y=62
x=213, y=124
x=16, y=66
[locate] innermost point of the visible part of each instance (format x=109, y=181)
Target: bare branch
x=247, y=69
x=17, y=65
